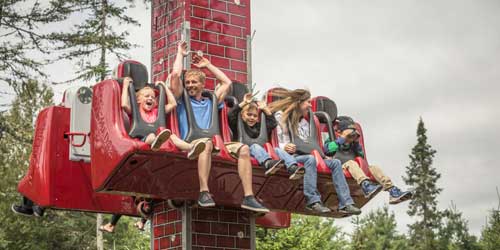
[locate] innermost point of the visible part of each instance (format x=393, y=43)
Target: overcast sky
x=387, y=63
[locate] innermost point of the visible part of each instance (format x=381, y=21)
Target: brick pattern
x=211, y=228
x=218, y=28
x=167, y=228
x=220, y=228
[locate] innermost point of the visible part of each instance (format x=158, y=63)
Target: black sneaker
x=38, y=211
x=317, y=207
x=296, y=172
x=272, y=166
x=250, y=203
x=22, y=210
x=205, y=200
x=350, y=210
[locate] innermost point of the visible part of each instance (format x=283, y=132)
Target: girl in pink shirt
x=148, y=108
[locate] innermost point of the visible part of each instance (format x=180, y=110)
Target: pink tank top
x=150, y=116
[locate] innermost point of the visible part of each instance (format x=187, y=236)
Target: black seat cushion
x=328, y=106
x=137, y=71
x=238, y=90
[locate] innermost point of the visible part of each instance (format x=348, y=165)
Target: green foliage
x=306, y=232
x=377, y=231
x=454, y=232
x=423, y=207
x=490, y=235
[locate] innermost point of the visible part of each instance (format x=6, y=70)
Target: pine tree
x=454, y=232
x=306, y=232
x=490, y=235
x=377, y=231
x=24, y=47
x=90, y=43
x=423, y=177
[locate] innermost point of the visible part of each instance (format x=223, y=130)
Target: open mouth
x=149, y=104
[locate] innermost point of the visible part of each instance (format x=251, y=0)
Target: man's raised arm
x=223, y=89
x=175, y=76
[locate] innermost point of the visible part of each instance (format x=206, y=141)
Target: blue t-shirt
x=202, y=110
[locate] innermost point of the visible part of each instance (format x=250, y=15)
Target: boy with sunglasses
x=346, y=147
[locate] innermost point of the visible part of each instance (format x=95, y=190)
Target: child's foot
x=22, y=210
x=397, y=196
x=272, y=166
x=161, y=138
x=250, y=203
x=296, y=172
x=205, y=199
x=139, y=225
x=108, y=228
x=196, y=150
x=369, y=188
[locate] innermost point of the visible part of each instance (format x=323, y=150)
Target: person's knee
x=334, y=164
x=351, y=164
x=150, y=138
x=209, y=146
x=244, y=152
x=310, y=162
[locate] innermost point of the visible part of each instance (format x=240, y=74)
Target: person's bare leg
x=245, y=169
x=204, y=164
x=150, y=138
x=180, y=144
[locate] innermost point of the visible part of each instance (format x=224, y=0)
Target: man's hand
x=182, y=48
x=290, y=148
x=200, y=62
x=159, y=82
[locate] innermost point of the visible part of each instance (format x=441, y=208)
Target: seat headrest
x=326, y=105
x=238, y=90
x=135, y=70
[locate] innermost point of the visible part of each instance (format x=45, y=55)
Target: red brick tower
x=221, y=30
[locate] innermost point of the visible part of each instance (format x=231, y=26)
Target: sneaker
x=38, y=211
x=317, y=207
x=350, y=210
x=161, y=138
x=196, y=150
x=22, y=210
x=369, y=188
x=296, y=172
x=205, y=199
x=397, y=196
x=272, y=166
x=250, y=203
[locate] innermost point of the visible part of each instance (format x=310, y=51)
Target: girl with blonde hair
x=291, y=110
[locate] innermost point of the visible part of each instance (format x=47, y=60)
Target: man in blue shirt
x=194, y=83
